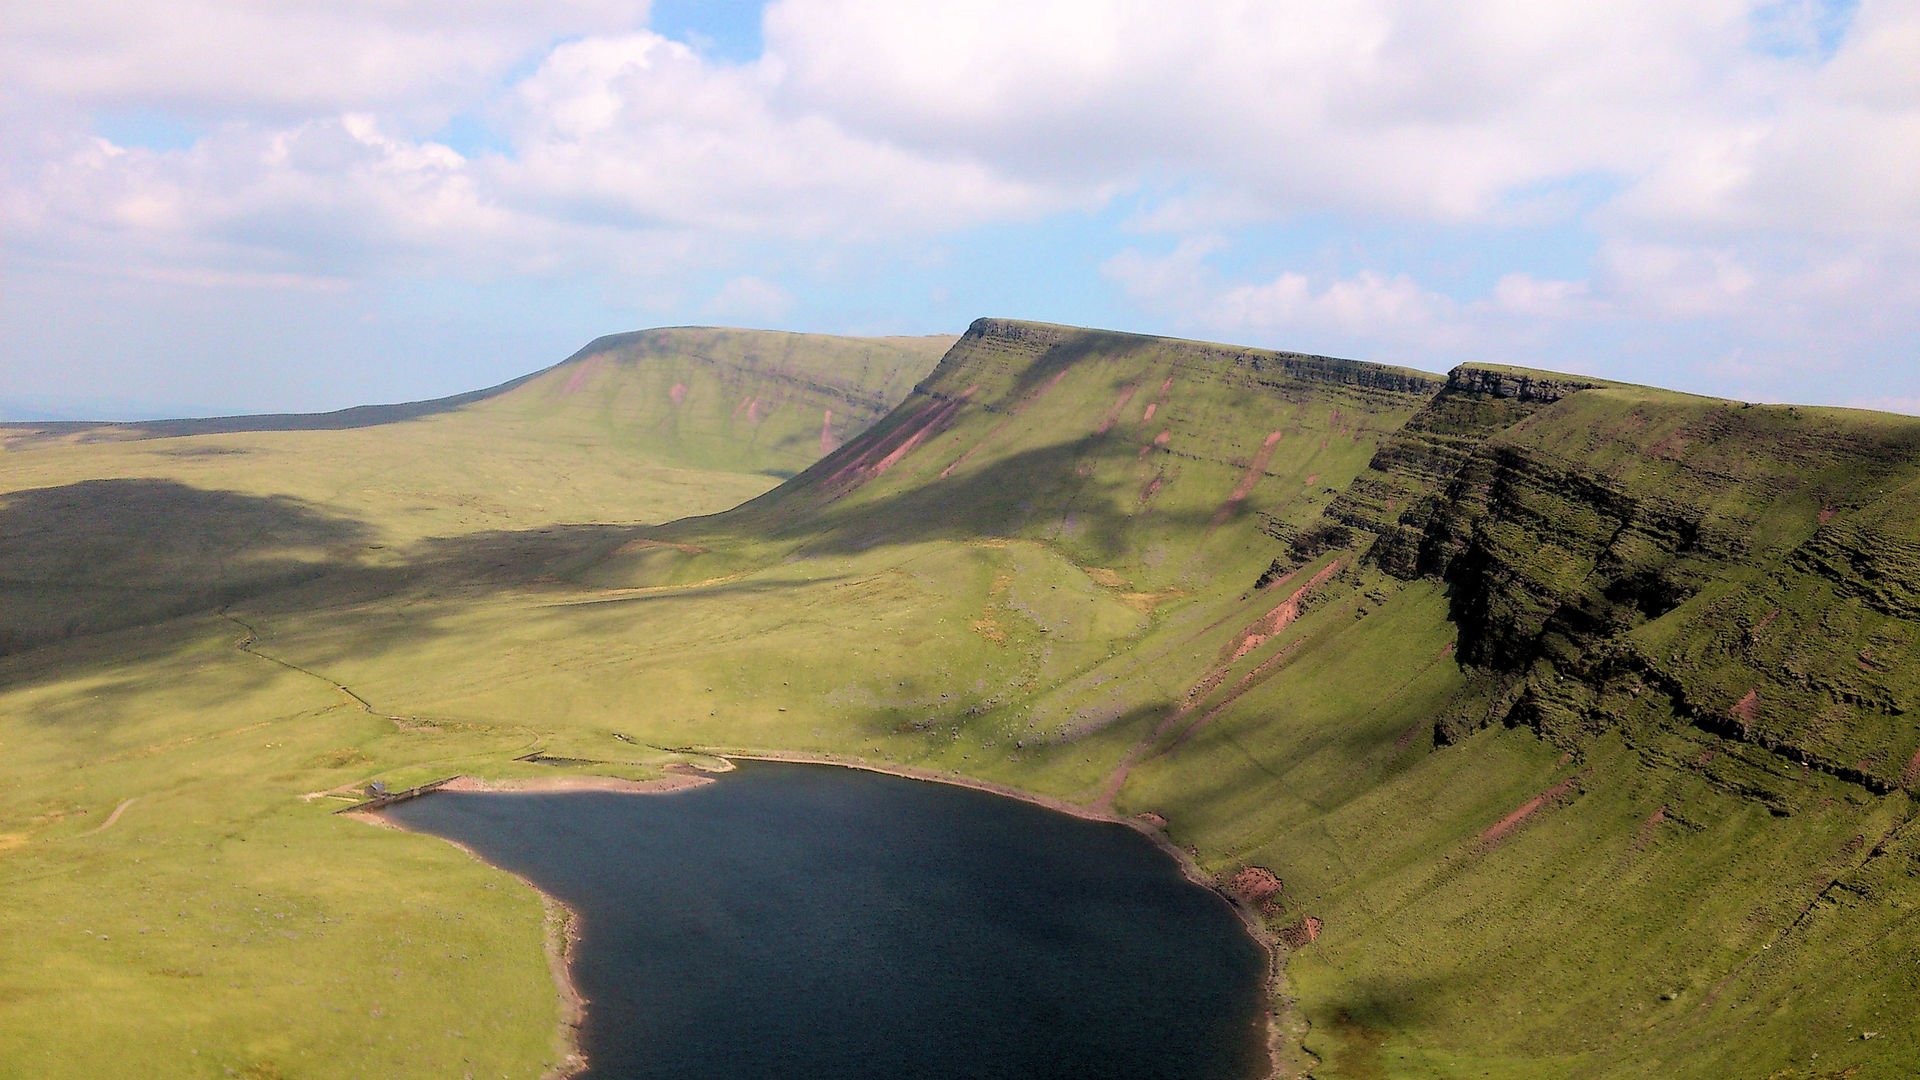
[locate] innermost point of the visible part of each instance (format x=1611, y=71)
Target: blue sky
x=230, y=205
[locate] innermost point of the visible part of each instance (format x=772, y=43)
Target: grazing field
x=1568, y=725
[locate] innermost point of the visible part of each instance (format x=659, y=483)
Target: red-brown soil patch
x=1648, y=828
x=1159, y=399
x=1671, y=448
x=1177, y=728
x=1255, y=885
x=678, y=394
x=1152, y=487
x=882, y=452
x=1159, y=442
x=936, y=423
x=1826, y=513
x=1251, y=679
x=1302, y=933
x=1911, y=774
x=1113, y=414
x=580, y=375
x=1283, y=614
x=675, y=781
x=1747, y=709
x=1501, y=829
x=1255, y=470
x=828, y=443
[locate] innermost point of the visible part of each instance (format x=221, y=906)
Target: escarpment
x=1758, y=566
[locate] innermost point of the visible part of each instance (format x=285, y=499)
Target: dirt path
x=113, y=817
x=246, y=645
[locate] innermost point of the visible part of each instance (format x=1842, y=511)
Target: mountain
x=1554, y=727
x=114, y=524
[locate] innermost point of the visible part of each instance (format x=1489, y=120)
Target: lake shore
x=562, y=923
x=561, y=929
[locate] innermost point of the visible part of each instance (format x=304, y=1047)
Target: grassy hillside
x=1572, y=717
x=119, y=524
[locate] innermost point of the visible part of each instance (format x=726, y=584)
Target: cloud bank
x=1721, y=195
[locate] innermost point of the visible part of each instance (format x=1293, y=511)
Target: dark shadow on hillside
x=1043, y=488
x=95, y=574
x=1369, y=1011
x=1080, y=345
x=104, y=554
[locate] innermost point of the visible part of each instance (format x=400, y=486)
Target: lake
x=810, y=921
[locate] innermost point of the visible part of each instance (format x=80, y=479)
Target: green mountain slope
x=118, y=524
x=1572, y=718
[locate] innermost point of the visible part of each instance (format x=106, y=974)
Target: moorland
x=1553, y=727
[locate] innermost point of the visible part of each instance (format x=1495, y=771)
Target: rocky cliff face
x=1757, y=566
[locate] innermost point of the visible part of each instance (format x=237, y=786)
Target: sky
x=219, y=206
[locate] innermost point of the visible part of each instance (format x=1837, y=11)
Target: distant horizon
x=12, y=412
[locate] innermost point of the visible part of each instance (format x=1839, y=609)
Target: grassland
x=1576, y=719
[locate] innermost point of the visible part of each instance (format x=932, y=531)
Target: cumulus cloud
x=752, y=300
x=1367, y=308
x=1424, y=109
x=639, y=129
x=287, y=58
x=867, y=118
x=1745, y=175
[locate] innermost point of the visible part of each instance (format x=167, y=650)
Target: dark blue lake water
x=820, y=923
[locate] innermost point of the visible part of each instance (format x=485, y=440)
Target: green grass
x=1020, y=576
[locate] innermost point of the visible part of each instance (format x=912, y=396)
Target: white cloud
x=1365, y=308
x=1747, y=173
x=1678, y=281
x=1531, y=297
x=288, y=58
x=1816, y=150
x=1424, y=109
x=752, y=300
x=640, y=129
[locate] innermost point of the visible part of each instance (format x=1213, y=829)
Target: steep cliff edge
x=1756, y=563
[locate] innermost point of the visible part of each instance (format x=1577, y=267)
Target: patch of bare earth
x=1255, y=886
x=662, y=785
x=1180, y=724
x=1910, y=776
x=1503, y=828
x=1113, y=413
x=1255, y=470
x=1649, y=828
